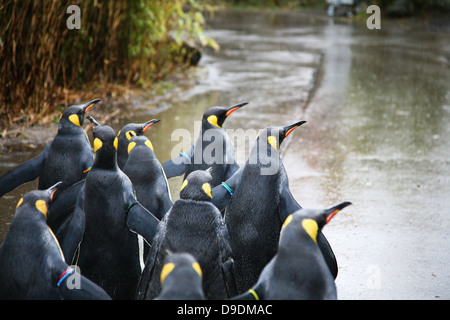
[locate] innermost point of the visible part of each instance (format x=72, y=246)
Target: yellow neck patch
x=166, y=270
x=149, y=144
x=185, y=183
x=273, y=142
x=287, y=221
x=19, y=203
x=196, y=267
x=213, y=121
x=116, y=143
x=207, y=189
x=97, y=144
x=131, y=145
x=74, y=119
x=311, y=228
x=42, y=207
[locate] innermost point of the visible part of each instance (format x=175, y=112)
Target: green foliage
x=124, y=42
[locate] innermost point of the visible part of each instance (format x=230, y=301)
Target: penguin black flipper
x=63, y=205
x=222, y=194
x=25, y=172
x=150, y=261
x=178, y=166
x=288, y=204
x=85, y=289
x=71, y=231
x=142, y=221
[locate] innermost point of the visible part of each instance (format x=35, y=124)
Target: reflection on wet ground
x=377, y=104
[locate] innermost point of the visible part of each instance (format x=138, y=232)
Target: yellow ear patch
x=196, y=267
x=287, y=221
x=166, y=270
x=74, y=119
x=185, y=183
x=97, y=144
x=273, y=142
x=116, y=143
x=19, y=203
x=213, y=121
x=311, y=228
x=149, y=144
x=131, y=145
x=42, y=207
x=207, y=189
x=130, y=134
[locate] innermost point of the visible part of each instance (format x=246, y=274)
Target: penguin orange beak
x=288, y=129
x=90, y=104
x=148, y=124
x=331, y=212
x=232, y=109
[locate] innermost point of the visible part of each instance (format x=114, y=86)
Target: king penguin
x=67, y=158
x=32, y=265
x=106, y=221
x=212, y=149
x=148, y=178
x=124, y=135
x=193, y=225
x=181, y=278
x=298, y=271
x=256, y=211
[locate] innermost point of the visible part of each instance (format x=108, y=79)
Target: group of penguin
x=105, y=207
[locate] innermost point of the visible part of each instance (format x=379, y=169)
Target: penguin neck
x=206, y=125
x=67, y=128
x=106, y=160
x=263, y=155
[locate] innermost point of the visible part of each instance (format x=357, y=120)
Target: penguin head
x=216, y=116
x=74, y=115
x=274, y=136
x=134, y=129
x=308, y=222
x=197, y=186
x=182, y=266
x=37, y=200
x=105, y=144
x=139, y=141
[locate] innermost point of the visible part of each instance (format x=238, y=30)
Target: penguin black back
x=254, y=216
x=193, y=225
x=32, y=265
x=181, y=278
x=148, y=178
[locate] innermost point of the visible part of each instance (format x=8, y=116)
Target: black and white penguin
x=148, y=178
x=67, y=158
x=212, y=149
x=257, y=210
x=193, y=225
x=298, y=271
x=32, y=265
x=102, y=230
